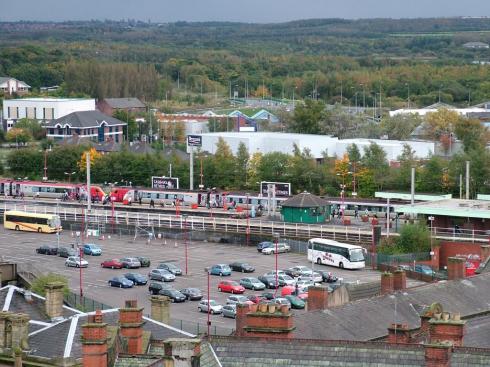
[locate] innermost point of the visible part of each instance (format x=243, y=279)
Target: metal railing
x=197, y=328
x=84, y=304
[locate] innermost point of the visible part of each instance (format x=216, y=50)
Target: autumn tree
x=34, y=128
x=472, y=133
x=441, y=123
x=95, y=156
x=18, y=136
x=401, y=126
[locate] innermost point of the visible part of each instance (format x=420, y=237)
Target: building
x=110, y=105
x=476, y=45
x=90, y=125
x=305, y=208
x=437, y=106
x=42, y=109
x=318, y=145
x=10, y=86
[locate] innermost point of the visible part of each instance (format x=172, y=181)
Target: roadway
x=20, y=247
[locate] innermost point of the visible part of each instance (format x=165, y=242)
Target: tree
x=374, y=159
x=242, y=158
x=472, y=133
x=353, y=153
x=430, y=177
x=95, y=156
x=401, y=126
x=33, y=127
x=402, y=177
x=224, y=164
x=441, y=123
x=131, y=130
x=18, y=136
x=39, y=285
x=307, y=117
x=25, y=163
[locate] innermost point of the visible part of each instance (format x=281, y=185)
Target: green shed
x=305, y=208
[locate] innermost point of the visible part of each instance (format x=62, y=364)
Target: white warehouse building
x=318, y=145
x=43, y=109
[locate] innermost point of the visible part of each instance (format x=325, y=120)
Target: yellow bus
x=24, y=221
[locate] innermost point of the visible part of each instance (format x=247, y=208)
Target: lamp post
x=185, y=244
x=276, y=241
x=248, y=221
x=69, y=174
x=80, y=250
x=209, y=308
x=408, y=94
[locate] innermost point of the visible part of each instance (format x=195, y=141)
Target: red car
x=113, y=264
x=254, y=298
x=230, y=286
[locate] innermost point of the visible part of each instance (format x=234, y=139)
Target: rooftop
x=123, y=103
x=39, y=99
x=304, y=200
x=85, y=119
x=450, y=207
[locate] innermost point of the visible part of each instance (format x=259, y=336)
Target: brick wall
x=451, y=249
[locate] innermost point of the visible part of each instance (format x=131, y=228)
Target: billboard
x=283, y=189
x=164, y=182
x=194, y=140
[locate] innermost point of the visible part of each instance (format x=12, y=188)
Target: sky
x=251, y=11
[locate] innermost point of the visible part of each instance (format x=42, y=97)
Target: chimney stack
x=160, y=309
x=54, y=299
x=317, y=298
x=399, y=280
x=398, y=333
x=387, y=283
x=241, y=318
x=438, y=355
x=447, y=328
x=455, y=268
x=131, y=324
x=94, y=341
x=269, y=322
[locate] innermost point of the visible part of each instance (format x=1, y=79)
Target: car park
x=162, y=275
x=174, y=269
x=242, y=267
x=263, y=245
x=130, y=263
x=174, y=295
x=112, y=264
x=220, y=269
x=252, y=283
x=229, y=310
x=47, y=250
x=230, y=286
x=213, y=307
x=238, y=299
x=121, y=282
x=92, y=249
x=144, y=261
x=280, y=248
x=298, y=270
x=76, y=262
x=281, y=301
x=269, y=281
x=192, y=294
x=296, y=302
x=156, y=287
x=137, y=279
x=67, y=252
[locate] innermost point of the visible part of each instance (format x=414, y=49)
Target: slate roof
x=304, y=200
x=4, y=79
x=124, y=103
x=368, y=319
x=85, y=119
x=137, y=361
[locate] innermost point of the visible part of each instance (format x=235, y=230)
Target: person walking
x=152, y=204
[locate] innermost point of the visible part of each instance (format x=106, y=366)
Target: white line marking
x=70, y=337
x=10, y=293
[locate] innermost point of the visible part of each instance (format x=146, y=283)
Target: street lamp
x=69, y=174
x=248, y=221
x=276, y=241
x=185, y=243
x=209, y=289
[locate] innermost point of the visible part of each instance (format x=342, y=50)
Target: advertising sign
x=194, y=140
x=283, y=189
x=164, y=182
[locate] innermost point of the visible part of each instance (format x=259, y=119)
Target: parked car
x=252, y=283
x=242, y=267
x=162, y=275
x=272, y=273
x=285, y=279
x=229, y=310
x=174, y=269
x=113, y=264
x=192, y=294
x=220, y=269
x=213, y=307
x=144, y=261
x=136, y=278
x=92, y=249
x=327, y=276
x=238, y=300
x=264, y=245
x=230, y=286
x=313, y=277
x=75, y=261
x=254, y=298
x=47, y=250
x=305, y=283
x=267, y=296
x=156, y=287
x=424, y=269
x=66, y=252
x=269, y=281
x=280, y=248
x=130, y=263
x=296, y=302
x=280, y=301
x=174, y=295
x=121, y=282
x=288, y=290
x=298, y=270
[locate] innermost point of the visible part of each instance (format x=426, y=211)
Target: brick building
x=110, y=105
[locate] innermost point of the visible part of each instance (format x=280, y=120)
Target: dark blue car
x=136, y=278
x=264, y=245
x=121, y=282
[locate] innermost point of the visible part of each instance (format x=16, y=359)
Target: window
x=13, y=112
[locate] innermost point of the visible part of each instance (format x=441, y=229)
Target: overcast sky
x=236, y=10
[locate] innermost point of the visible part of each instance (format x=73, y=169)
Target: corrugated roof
x=124, y=103
x=85, y=119
x=304, y=200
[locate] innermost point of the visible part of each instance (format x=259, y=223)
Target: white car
x=312, y=275
x=281, y=247
x=305, y=283
x=214, y=307
x=285, y=279
x=75, y=261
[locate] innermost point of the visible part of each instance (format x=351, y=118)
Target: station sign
x=282, y=189
x=194, y=140
x=164, y=182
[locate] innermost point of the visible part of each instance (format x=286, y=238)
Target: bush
x=414, y=238
x=39, y=284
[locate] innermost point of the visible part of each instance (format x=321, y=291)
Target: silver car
x=238, y=299
x=281, y=247
x=252, y=283
x=311, y=275
x=214, y=307
x=281, y=301
x=229, y=311
x=130, y=263
x=162, y=275
x=75, y=261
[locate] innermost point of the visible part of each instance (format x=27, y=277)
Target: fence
x=84, y=304
x=197, y=328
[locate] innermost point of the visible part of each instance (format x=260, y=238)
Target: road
x=20, y=247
